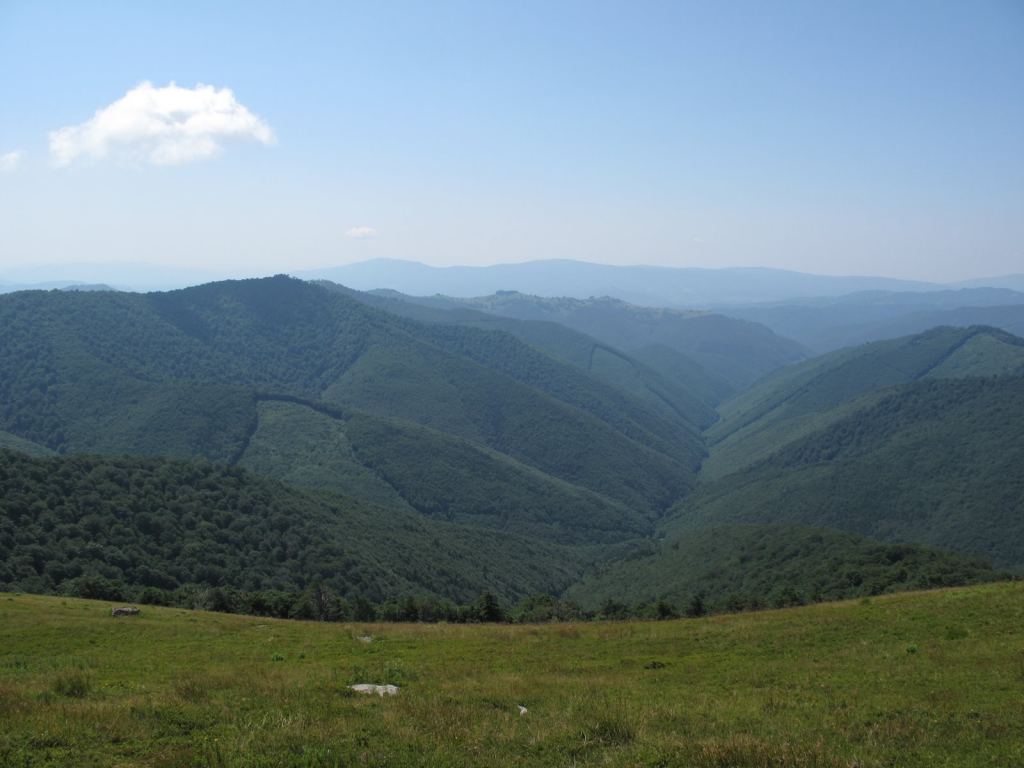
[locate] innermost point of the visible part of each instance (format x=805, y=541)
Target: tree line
x=319, y=602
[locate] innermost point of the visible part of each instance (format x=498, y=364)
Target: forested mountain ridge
x=733, y=350
x=689, y=390
x=794, y=401
x=178, y=373
x=936, y=462
x=408, y=466
x=389, y=419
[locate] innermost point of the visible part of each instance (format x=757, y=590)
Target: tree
x=614, y=610
x=696, y=607
x=664, y=610
x=488, y=610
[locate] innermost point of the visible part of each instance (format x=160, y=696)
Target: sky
x=858, y=137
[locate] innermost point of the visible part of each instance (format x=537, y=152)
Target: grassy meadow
x=915, y=679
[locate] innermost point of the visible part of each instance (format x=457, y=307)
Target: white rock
x=370, y=688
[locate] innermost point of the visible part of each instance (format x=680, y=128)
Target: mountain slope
x=166, y=523
x=14, y=443
x=688, y=391
x=402, y=464
x=181, y=373
x=1009, y=318
x=741, y=566
x=795, y=401
x=736, y=351
x=935, y=462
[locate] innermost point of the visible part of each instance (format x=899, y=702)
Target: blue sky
x=841, y=138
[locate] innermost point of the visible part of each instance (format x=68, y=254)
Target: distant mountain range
x=654, y=286
x=735, y=352
x=645, y=285
x=826, y=323
x=56, y=285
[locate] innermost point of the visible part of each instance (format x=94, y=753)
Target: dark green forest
x=795, y=401
x=731, y=352
x=167, y=524
x=745, y=567
x=294, y=449
x=178, y=374
x=934, y=462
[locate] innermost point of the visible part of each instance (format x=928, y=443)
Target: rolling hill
x=732, y=351
x=660, y=376
x=1009, y=318
x=733, y=567
x=797, y=400
x=936, y=462
x=405, y=465
x=498, y=425
x=182, y=374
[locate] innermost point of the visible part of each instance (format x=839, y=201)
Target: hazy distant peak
x=650, y=286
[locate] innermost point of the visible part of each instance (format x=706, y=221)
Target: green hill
x=14, y=443
x=686, y=391
x=732, y=567
x=795, y=401
x=165, y=524
x=917, y=680
x=181, y=374
x=733, y=351
x=486, y=436
x=936, y=462
x=412, y=467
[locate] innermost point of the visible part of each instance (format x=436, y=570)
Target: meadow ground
x=922, y=679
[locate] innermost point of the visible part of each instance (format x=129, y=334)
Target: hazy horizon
x=249, y=139
x=641, y=285
x=67, y=271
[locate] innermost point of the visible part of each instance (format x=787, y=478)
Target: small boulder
x=125, y=610
x=370, y=688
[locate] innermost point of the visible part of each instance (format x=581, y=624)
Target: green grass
x=916, y=679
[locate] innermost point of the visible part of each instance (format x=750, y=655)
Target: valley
x=620, y=459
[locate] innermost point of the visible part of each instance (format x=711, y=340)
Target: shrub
x=73, y=684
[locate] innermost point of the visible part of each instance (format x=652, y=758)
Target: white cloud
x=9, y=161
x=163, y=126
x=361, y=233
